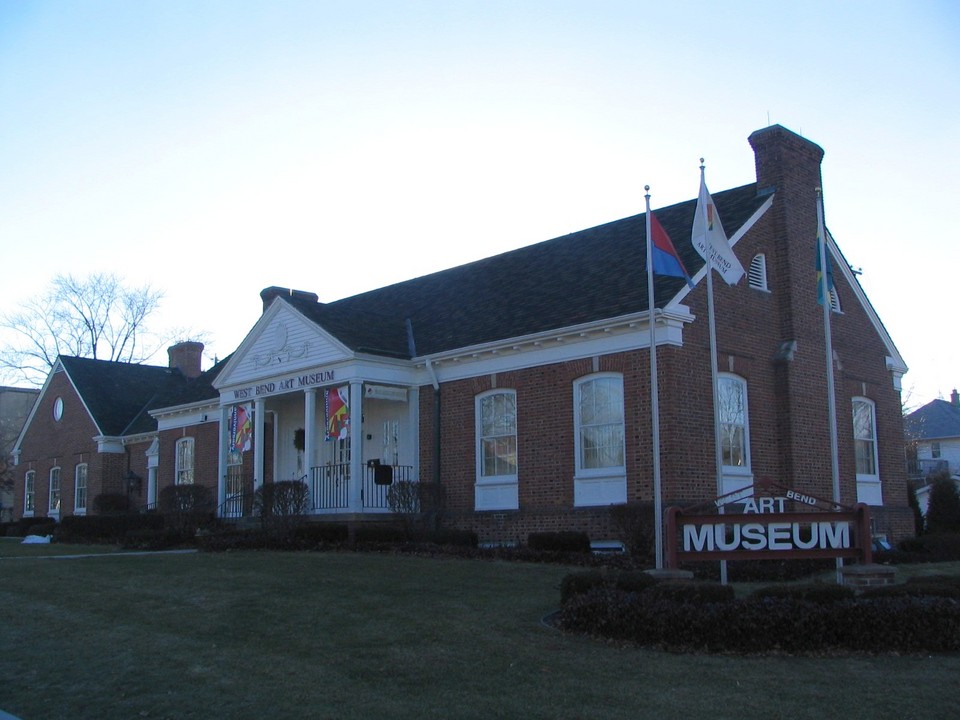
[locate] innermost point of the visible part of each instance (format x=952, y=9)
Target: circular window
x=58, y=409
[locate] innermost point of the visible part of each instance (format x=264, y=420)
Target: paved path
x=95, y=555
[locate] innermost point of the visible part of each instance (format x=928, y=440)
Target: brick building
x=520, y=383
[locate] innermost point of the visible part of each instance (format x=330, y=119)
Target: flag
x=241, y=428
x=826, y=255
x=710, y=241
x=664, y=255
x=338, y=413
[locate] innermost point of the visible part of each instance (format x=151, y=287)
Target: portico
x=313, y=411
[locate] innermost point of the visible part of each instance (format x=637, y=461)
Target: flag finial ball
x=646, y=188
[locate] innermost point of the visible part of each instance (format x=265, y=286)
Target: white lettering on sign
x=763, y=505
x=774, y=536
x=806, y=499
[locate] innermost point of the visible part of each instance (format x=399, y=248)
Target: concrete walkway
x=186, y=551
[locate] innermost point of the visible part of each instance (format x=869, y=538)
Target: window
x=29, y=492
x=496, y=421
x=734, y=431
x=935, y=450
x=184, y=468
x=757, y=275
x=54, y=505
x=601, y=477
x=80, y=489
x=865, y=437
x=865, y=451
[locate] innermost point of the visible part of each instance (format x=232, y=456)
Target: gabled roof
x=578, y=278
x=118, y=395
x=936, y=420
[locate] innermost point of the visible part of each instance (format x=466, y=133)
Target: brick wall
x=787, y=398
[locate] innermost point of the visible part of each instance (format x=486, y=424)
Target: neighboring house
x=934, y=433
x=15, y=404
x=89, y=433
x=519, y=384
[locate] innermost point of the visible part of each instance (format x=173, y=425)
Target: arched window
x=600, y=475
x=497, y=464
x=184, y=468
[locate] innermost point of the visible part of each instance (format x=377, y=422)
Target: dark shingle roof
x=935, y=420
x=578, y=278
x=119, y=395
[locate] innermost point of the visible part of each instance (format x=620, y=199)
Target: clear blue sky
x=213, y=148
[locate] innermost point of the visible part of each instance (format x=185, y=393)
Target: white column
x=413, y=431
x=259, y=418
x=222, y=451
x=356, y=445
x=309, y=433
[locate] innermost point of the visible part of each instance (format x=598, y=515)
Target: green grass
x=343, y=635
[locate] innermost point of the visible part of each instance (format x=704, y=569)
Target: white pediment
x=282, y=342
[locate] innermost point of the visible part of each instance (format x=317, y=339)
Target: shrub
x=105, y=528
x=186, y=508
x=111, y=504
x=636, y=529
x=579, y=583
x=820, y=593
x=943, y=512
x=281, y=506
x=31, y=526
x=633, y=580
x=691, y=593
x=905, y=624
x=563, y=541
x=451, y=537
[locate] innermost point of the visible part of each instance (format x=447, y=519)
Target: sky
x=212, y=148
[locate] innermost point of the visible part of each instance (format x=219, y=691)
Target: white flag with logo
x=710, y=240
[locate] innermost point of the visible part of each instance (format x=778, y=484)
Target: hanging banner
x=241, y=428
x=337, y=413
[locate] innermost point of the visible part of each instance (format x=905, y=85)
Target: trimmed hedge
x=820, y=593
x=30, y=526
x=903, y=624
x=563, y=541
x=687, y=620
x=105, y=528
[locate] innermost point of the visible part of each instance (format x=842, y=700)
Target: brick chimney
x=186, y=357
x=268, y=295
x=955, y=398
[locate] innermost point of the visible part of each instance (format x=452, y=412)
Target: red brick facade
x=787, y=396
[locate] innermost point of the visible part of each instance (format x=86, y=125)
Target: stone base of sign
x=666, y=575
x=861, y=577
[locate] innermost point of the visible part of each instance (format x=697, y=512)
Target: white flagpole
x=828, y=344
x=654, y=395
x=824, y=287
x=718, y=453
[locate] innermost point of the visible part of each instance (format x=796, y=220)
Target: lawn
x=344, y=635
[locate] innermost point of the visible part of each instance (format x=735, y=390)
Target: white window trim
x=29, y=479
x=738, y=477
x=77, y=510
x=597, y=486
x=193, y=461
x=869, y=485
x=493, y=492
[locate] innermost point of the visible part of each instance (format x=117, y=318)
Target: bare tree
x=96, y=317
